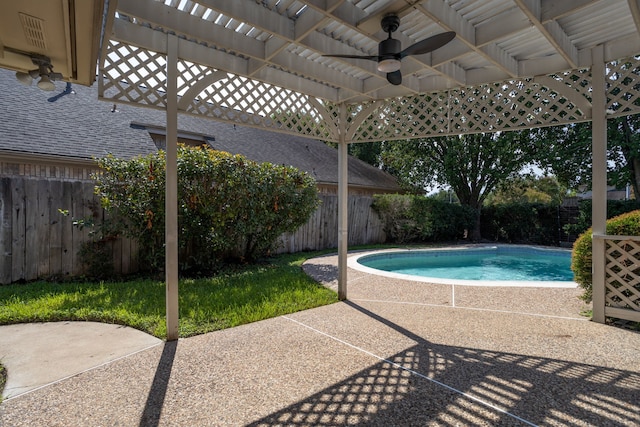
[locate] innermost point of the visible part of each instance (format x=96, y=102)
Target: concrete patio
x=398, y=353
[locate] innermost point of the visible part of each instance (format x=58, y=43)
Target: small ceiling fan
x=390, y=53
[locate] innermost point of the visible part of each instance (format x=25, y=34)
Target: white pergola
x=513, y=64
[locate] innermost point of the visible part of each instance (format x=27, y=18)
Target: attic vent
x=33, y=30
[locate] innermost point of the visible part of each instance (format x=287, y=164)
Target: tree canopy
x=472, y=165
x=567, y=152
x=529, y=189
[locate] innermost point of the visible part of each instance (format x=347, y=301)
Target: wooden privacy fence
x=38, y=241
x=37, y=236
x=321, y=231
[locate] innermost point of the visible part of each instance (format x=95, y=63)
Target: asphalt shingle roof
x=78, y=125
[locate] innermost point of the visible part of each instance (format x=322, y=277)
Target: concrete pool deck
x=396, y=354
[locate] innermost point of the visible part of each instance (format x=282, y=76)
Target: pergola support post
x=171, y=190
x=599, y=181
x=343, y=200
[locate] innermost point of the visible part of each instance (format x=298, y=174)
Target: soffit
x=68, y=32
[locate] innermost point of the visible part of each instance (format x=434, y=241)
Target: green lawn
x=236, y=296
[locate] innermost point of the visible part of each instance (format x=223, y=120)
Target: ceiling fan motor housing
x=389, y=48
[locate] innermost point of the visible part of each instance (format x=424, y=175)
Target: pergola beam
x=634, y=6
x=439, y=11
x=551, y=30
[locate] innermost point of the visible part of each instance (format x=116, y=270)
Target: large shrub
x=521, y=222
x=614, y=208
x=409, y=218
x=228, y=206
x=394, y=210
x=627, y=224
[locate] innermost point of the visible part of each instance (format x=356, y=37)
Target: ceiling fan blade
x=428, y=45
x=394, y=78
x=369, y=57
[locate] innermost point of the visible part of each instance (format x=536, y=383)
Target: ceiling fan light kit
x=389, y=65
x=390, y=50
x=45, y=83
x=44, y=71
x=24, y=78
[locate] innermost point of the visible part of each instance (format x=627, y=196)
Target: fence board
x=43, y=228
x=6, y=206
x=125, y=255
x=18, y=229
x=78, y=234
x=66, y=230
x=55, y=228
x=31, y=230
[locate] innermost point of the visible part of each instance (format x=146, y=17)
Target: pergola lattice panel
x=622, y=280
x=137, y=76
x=250, y=102
x=134, y=75
x=623, y=78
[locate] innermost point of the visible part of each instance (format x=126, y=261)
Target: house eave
x=48, y=159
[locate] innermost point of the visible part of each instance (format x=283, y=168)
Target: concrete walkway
x=397, y=354
x=38, y=354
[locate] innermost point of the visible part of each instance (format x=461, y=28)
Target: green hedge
x=535, y=223
x=627, y=224
x=614, y=208
x=410, y=218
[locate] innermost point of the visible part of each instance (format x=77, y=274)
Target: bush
x=409, y=218
x=627, y=224
x=614, y=208
x=395, y=213
x=228, y=206
x=535, y=223
x=441, y=221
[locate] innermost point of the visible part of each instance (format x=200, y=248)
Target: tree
x=566, y=152
x=472, y=165
x=368, y=152
x=529, y=189
x=624, y=151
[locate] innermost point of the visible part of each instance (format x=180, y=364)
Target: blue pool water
x=492, y=263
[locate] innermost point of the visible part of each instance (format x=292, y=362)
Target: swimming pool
x=499, y=265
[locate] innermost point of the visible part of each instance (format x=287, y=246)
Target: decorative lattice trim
x=137, y=76
x=133, y=75
x=623, y=87
x=622, y=280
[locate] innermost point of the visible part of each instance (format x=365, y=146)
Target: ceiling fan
x=390, y=53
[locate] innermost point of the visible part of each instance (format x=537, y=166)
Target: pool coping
x=352, y=262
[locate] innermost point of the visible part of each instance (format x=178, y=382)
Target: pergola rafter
x=514, y=64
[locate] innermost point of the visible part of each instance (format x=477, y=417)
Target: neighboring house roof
x=79, y=126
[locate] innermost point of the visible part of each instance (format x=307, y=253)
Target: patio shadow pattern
x=430, y=384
